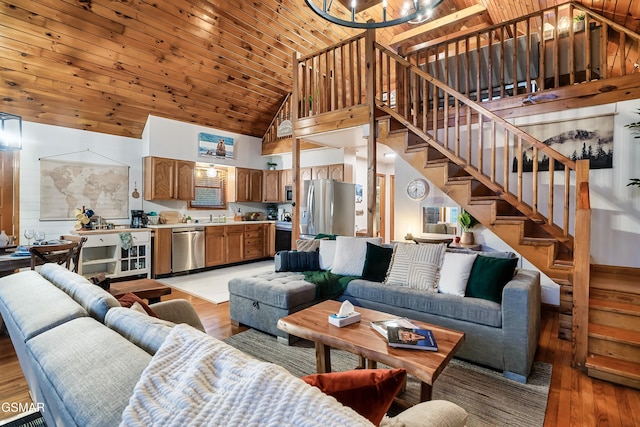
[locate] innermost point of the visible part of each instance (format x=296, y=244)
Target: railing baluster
x=425, y=97
x=478, y=68
x=543, y=46
x=519, y=153
x=604, y=36
x=352, y=77
x=360, y=71
x=622, y=55
x=552, y=174
x=527, y=61
x=493, y=151
x=572, y=61
x=502, y=62
x=534, y=181
x=445, y=100
x=556, y=52
x=456, y=102
x=506, y=161
x=514, y=89
x=490, y=66
x=587, y=47
x=480, y=142
x=567, y=188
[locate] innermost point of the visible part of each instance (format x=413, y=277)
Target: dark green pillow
x=376, y=262
x=489, y=276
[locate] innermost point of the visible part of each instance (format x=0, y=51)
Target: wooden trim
x=370, y=60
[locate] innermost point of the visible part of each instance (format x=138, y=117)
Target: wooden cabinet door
x=243, y=185
x=214, y=246
x=336, y=172
x=234, y=241
x=305, y=175
x=269, y=239
x=320, y=172
x=161, y=263
x=159, y=178
x=271, y=186
x=185, y=180
x=256, y=185
x=286, y=179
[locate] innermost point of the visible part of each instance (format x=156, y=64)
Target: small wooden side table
x=150, y=289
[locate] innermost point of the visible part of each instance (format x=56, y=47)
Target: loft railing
x=283, y=114
x=331, y=79
x=554, y=47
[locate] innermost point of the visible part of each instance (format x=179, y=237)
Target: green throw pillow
x=376, y=262
x=489, y=276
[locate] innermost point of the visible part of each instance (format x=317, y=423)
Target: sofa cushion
x=327, y=253
x=370, y=392
x=281, y=290
x=473, y=310
x=376, y=262
x=69, y=375
x=34, y=305
x=455, y=272
x=416, y=266
x=489, y=276
x=94, y=299
x=297, y=261
x=350, y=254
x=305, y=245
x=144, y=331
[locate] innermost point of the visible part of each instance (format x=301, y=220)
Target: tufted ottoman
x=259, y=301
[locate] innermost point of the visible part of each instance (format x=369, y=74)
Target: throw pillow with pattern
x=416, y=266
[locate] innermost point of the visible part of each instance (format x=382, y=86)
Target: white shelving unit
x=104, y=253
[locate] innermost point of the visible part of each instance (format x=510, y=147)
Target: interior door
x=6, y=192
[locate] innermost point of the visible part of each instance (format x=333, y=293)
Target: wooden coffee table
x=360, y=339
x=150, y=289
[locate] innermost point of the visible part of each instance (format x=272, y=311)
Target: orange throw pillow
x=127, y=300
x=369, y=392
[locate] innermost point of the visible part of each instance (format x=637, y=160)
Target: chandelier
x=412, y=12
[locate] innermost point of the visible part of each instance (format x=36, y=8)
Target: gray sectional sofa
x=90, y=362
x=503, y=336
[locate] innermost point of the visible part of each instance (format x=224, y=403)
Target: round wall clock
x=418, y=189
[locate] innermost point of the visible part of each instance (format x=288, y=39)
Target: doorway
x=380, y=220
x=8, y=182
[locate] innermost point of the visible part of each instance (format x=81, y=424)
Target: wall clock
x=417, y=189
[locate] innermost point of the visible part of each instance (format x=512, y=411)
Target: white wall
x=43, y=141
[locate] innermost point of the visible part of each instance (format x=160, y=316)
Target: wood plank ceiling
x=105, y=65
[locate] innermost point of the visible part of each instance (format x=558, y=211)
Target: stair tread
x=613, y=366
x=611, y=333
x=615, y=306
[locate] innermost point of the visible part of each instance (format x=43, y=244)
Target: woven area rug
x=488, y=397
x=31, y=419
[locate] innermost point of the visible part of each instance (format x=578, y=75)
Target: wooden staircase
x=614, y=325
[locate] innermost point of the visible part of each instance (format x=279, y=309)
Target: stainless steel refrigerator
x=328, y=207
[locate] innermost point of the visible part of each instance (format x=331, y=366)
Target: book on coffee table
x=416, y=338
x=381, y=326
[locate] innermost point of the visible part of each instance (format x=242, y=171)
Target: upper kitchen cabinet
x=271, y=185
x=166, y=179
x=248, y=185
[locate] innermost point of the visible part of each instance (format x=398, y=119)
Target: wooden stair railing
x=283, y=114
x=481, y=147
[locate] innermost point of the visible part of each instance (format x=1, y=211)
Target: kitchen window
x=210, y=188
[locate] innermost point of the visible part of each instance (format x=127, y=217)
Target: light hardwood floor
x=574, y=398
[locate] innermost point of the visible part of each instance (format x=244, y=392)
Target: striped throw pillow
x=416, y=266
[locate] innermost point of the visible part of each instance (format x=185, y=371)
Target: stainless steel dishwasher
x=187, y=248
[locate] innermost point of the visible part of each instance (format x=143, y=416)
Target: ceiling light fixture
x=10, y=132
x=212, y=172
x=412, y=11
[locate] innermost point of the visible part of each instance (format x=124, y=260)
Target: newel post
x=295, y=152
x=581, y=266
x=370, y=60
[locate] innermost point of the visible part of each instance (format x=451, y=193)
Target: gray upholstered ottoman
x=259, y=301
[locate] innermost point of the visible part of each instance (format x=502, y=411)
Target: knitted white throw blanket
x=197, y=380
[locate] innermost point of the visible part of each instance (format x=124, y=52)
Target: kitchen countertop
x=106, y=231
x=209, y=224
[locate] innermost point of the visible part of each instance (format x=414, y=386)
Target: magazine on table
x=416, y=338
x=381, y=326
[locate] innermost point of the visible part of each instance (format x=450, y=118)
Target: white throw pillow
x=416, y=266
x=327, y=254
x=455, y=272
x=351, y=253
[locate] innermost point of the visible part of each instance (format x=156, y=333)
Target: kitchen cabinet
x=234, y=243
x=305, y=174
x=105, y=253
x=341, y=172
x=269, y=238
x=161, y=248
x=215, y=247
x=320, y=172
x=253, y=241
x=166, y=179
x=271, y=186
x=286, y=180
x=248, y=185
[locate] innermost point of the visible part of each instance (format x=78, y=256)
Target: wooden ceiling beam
x=453, y=18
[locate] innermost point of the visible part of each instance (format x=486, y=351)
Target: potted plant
x=467, y=222
x=578, y=23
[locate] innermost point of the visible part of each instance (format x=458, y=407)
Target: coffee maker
x=138, y=219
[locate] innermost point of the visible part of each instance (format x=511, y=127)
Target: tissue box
x=334, y=319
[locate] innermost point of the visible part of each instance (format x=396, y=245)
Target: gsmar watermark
x=19, y=407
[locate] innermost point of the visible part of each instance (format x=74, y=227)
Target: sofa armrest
x=434, y=413
x=178, y=311
x=521, y=323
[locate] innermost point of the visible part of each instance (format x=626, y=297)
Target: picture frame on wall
x=215, y=146
x=584, y=138
x=358, y=193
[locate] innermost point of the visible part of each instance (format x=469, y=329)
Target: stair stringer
x=542, y=254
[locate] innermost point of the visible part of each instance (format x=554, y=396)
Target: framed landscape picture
x=586, y=138
x=215, y=146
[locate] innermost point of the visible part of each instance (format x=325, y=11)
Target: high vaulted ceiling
x=105, y=65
